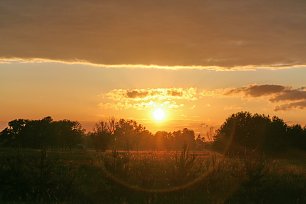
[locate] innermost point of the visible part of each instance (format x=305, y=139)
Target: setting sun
x=159, y=114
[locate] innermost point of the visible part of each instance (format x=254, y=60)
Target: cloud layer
x=15, y=60
x=290, y=97
x=162, y=32
x=169, y=98
x=284, y=97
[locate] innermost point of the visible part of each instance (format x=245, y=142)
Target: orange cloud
x=14, y=60
x=171, y=98
x=294, y=105
x=295, y=98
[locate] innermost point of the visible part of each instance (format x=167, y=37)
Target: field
x=87, y=176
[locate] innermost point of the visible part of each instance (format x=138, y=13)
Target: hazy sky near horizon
x=198, y=60
x=189, y=97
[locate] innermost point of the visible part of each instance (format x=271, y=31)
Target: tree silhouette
x=130, y=135
x=240, y=132
x=243, y=131
x=103, y=134
x=163, y=140
x=42, y=133
x=297, y=136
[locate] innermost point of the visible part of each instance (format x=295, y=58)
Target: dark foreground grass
x=31, y=176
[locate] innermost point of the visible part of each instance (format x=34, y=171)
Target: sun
x=159, y=114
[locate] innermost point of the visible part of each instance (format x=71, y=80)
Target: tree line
x=244, y=131
x=42, y=133
x=240, y=132
x=129, y=135
x=122, y=134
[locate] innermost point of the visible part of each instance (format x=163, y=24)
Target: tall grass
x=152, y=177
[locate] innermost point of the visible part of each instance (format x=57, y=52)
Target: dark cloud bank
x=163, y=32
x=291, y=98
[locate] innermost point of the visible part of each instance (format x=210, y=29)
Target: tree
x=277, y=138
x=67, y=133
x=10, y=136
x=184, y=137
x=129, y=134
x=42, y=133
x=162, y=140
x=297, y=136
x=244, y=131
x=103, y=134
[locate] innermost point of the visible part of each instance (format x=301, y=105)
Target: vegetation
x=148, y=177
x=239, y=133
x=122, y=135
x=43, y=161
x=129, y=135
x=246, y=132
x=42, y=133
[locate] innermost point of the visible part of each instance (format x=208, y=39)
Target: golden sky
x=198, y=60
x=189, y=97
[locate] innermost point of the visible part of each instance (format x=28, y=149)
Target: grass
x=147, y=177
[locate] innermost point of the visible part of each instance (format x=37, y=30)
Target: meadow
x=89, y=176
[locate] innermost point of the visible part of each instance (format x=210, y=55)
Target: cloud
x=75, y=61
x=290, y=95
x=136, y=94
x=294, y=105
x=292, y=98
x=153, y=94
x=258, y=90
x=170, y=98
x=163, y=33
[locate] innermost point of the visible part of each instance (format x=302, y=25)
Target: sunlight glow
x=159, y=114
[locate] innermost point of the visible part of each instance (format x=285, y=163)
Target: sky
x=199, y=61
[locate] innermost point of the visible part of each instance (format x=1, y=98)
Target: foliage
x=102, y=135
x=246, y=132
x=129, y=135
x=34, y=177
x=64, y=176
x=42, y=133
x=240, y=132
x=183, y=164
